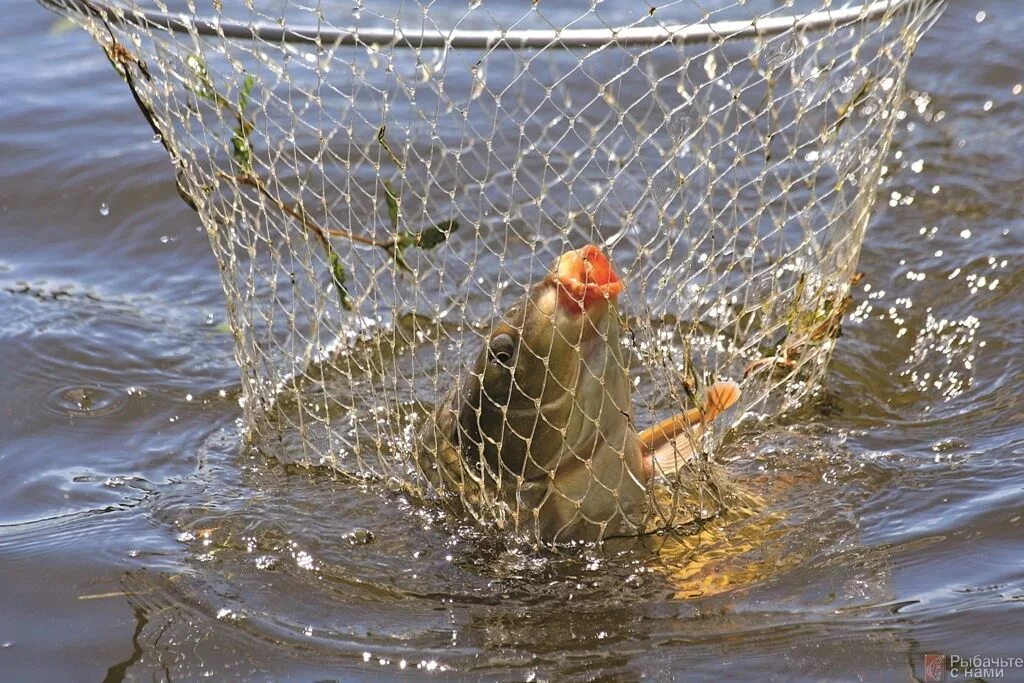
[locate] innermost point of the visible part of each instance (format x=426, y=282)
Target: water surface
x=137, y=542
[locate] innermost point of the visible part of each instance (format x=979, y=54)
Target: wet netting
x=484, y=252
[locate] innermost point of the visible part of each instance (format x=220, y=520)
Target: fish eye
x=502, y=350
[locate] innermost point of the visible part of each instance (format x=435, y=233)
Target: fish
x=538, y=437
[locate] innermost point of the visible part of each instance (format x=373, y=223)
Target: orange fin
x=669, y=444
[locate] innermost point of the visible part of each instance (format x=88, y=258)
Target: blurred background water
x=137, y=542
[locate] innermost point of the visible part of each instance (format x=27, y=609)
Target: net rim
x=678, y=34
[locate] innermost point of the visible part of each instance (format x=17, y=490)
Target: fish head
x=550, y=375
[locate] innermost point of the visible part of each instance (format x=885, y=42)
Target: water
x=138, y=543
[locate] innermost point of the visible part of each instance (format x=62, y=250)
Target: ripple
x=86, y=401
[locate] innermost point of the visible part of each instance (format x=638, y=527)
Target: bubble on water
x=987, y=106
x=360, y=536
x=980, y=16
x=950, y=443
x=104, y=209
x=265, y=562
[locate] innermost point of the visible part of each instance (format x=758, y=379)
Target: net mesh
x=381, y=183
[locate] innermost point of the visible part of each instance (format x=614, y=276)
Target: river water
x=138, y=543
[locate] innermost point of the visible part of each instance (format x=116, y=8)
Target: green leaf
x=406, y=240
x=338, y=275
x=197, y=65
x=391, y=199
x=245, y=93
x=202, y=85
x=436, y=234
x=397, y=251
x=242, y=150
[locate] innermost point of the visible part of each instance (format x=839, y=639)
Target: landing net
x=381, y=181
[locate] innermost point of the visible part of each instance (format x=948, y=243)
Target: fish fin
x=670, y=443
x=721, y=397
x=670, y=455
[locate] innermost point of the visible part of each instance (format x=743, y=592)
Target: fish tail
x=671, y=442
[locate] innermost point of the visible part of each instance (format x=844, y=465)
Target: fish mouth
x=586, y=276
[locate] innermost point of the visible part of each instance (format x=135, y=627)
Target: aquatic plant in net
x=474, y=249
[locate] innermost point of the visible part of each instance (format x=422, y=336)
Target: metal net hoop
x=377, y=196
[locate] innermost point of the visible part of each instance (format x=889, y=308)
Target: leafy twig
x=824, y=324
x=128, y=65
x=299, y=213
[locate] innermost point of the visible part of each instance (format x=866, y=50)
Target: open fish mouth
x=586, y=276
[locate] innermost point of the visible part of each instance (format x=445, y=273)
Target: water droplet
x=479, y=81
x=104, y=209
x=711, y=66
